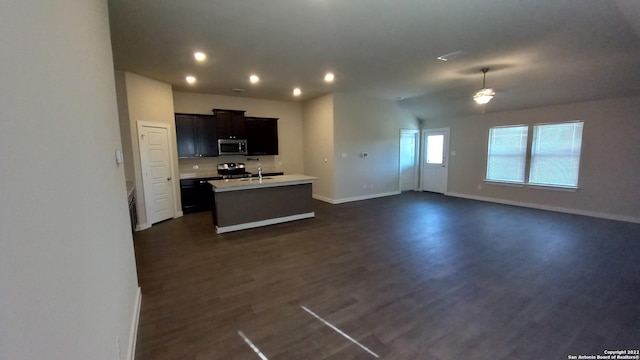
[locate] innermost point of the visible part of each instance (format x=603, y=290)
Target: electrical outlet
x=196, y=167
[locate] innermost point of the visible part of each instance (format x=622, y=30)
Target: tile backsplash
x=208, y=166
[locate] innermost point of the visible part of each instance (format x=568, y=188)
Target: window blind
x=506, y=158
x=555, y=154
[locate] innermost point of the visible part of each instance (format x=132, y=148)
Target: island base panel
x=262, y=206
x=255, y=224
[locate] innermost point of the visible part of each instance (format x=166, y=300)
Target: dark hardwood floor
x=414, y=276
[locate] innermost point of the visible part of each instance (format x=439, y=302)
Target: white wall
x=289, y=114
x=342, y=124
x=151, y=101
x=319, y=146
x=373, y=126
x=68, y=281
x=609, y=170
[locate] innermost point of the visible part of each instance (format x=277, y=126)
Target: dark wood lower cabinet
x=196, y=194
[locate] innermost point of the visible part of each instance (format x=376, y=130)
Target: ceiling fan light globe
x=484, y=96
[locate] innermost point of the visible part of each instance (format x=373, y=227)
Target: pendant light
x=485, y=94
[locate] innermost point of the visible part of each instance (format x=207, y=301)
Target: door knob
x=169, y=179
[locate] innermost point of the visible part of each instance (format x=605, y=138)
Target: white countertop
x=255, y=183
x=201, y=174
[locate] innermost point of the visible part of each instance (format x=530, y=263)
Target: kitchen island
x=250, y=202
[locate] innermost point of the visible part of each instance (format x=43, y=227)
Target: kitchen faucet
x=259, y=167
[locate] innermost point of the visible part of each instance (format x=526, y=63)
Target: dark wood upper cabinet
x=196, y=135
x=262, y=136
x=230, y=124
x=186, y=135
x=207, y=139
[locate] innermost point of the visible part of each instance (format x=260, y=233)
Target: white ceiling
x=540, y=52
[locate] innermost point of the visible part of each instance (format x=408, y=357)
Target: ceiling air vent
x=451, y=56
x=238, y=90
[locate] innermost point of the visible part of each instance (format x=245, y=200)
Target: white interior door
x=435, y=166
x=156, y=173
x=408, y=159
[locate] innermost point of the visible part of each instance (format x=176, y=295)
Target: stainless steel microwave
x=232, y=147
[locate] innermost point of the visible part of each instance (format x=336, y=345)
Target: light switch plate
x=119, y=158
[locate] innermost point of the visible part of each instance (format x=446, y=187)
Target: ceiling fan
x=484, y=95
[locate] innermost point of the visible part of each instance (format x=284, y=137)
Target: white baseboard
x=355, y=198
x=549, y=208
x=145, y=226
x=141, y=227
x=133, y=333
x=322, y=198
x=365, y=197
x=225, y=229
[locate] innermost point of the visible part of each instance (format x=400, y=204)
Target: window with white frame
x=507, y=154
x=555, y=154
x=554, y=157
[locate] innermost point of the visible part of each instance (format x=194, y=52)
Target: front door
x=435, y=160
x=156, y=173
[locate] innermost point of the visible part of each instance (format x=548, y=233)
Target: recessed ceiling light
x=329, y=77
x=191, y=79
x=200, y=56
x=254, y=79
x=297, y=92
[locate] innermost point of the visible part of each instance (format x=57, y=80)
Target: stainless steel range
x=233, y=171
